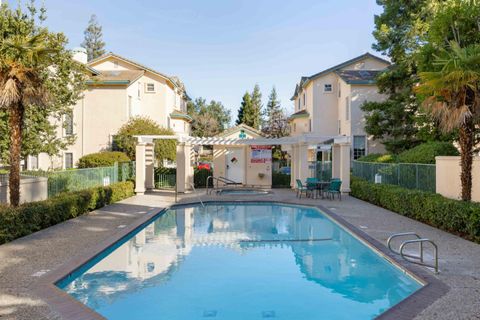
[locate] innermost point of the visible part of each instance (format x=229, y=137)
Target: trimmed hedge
x=16, y=222
x=280, y=180
x=426, y=152
x=378, y=157
x=455, y=216
x=102, y=159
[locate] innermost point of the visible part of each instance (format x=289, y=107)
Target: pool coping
x=70, y=308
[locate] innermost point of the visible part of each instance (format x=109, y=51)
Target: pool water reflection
x=240, y=261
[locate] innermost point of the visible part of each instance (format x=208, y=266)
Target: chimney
x=80, y=55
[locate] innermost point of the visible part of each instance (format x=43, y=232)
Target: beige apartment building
x=328, y=103
x=118, y=89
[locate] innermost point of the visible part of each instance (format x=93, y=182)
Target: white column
x=293, y=166
x=184, y=167
x=149, y=166
x=345, y=166
x=336, y=161
x=140, y=169
x=302, y=161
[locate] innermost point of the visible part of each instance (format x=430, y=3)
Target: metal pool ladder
x=196, y=194
x=417, y=259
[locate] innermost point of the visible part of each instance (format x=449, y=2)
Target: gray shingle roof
x=358, y=76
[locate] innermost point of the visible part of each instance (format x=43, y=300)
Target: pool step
x=417, y=259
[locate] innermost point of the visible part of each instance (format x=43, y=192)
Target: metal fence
x=80, y=179
x=407, y=175
x=165, y=181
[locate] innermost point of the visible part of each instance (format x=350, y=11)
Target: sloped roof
x=240, y=127
x=305, y=80
x=173, y=80
x=300, y=114
x=178, y=114
x=120, y=77
x=358, y=76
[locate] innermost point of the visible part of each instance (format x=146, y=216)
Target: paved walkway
x=24, y=261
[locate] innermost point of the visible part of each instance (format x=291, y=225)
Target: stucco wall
x=448, y=182
x=31, y=189
x=325, y=108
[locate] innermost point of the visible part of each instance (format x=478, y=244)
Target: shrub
x=200, y=178
x=102, y=159
x=459, y=217
x=426, y=152
x=16, y=222
x=280, y=180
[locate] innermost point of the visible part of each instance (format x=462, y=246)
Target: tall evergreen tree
x=255, y=118
x=93, y=39
x=245, y=110
x=276, y=122
x=399, y=32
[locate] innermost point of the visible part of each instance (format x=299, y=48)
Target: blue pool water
x=240, y=261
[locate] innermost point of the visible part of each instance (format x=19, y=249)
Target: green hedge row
x=455, y=216
x=102, y=159
x=16, y=222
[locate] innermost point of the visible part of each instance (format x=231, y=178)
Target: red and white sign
x=261, y=154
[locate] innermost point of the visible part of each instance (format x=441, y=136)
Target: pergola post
x=184, y=167
x=302, y=162
x=336, y=161
x=140, y=168
x=149, y=166
x=345, y=166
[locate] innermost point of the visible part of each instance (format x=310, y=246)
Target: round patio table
x=321, y=186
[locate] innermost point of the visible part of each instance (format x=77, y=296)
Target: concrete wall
x=31, y=189
x=448, y=182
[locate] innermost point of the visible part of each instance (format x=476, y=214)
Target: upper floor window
x=327, y=87
x=150, y=87
x=339, y=91
x=298, y=103
x=68, y=124
x=304, y=98
x=310, y=125
x=130, y=107
x=359, y=146
x=339, y=127
x=115, y=64
x=347, y=108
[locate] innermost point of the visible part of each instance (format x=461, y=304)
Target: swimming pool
x=240, y=261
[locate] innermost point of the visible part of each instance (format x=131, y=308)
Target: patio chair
x=301, y=188
x=334, y=188
x=312, y=184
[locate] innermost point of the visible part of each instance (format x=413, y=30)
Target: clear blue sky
x=222, y=48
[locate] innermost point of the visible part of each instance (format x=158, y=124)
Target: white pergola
x=297, y=147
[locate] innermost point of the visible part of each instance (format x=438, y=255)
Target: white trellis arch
x=297, y=147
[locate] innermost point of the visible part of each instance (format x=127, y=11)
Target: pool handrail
x=409, y=257
x=221, y=179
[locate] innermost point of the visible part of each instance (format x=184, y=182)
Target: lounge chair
x=334, y=188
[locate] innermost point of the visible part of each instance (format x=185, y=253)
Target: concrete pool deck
x=26, y=261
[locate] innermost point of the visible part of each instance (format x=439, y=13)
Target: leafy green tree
x=38, y=77
x=208, y=119
x=276, y=124
x=399, y=32
x=93, y=41
x=125, y=142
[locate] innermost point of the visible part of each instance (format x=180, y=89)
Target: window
x=294, y=127
x=298, y=103
x=339, y=91
x=138, y=90
x=327, y=87
x=68, y=160
x=339, y=127
x=359, y=147
x=310, y=125
x=130, y=107
x=304, y=98
x=150, y=87
x=68, y=124
x=347, y=108
x=33, y=162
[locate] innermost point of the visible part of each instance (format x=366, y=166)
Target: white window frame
x=147, y=90
x=65, y=160
x=325, y=88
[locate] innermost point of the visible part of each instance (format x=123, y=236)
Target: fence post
x=416, y=176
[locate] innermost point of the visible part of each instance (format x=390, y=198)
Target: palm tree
x=22, y=85
x=453, y=99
